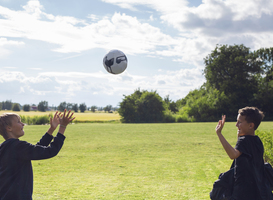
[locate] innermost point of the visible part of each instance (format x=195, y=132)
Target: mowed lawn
x=133, y=161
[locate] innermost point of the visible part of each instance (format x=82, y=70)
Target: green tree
x=107, y=108
x=93, y=108
x=43, y=106
x=167, y=99
x=128, y=107
x=7, y=105
x=83, y=107
x=26, y=107
x=16, y=107
x=264, y=96
x=62, y=106
x=75, y=107
x=235, y=78
x=142, y=106
x=150, y=107
x=233, y=70
x=171, y=105
x=206, y=104
x=266, y=57
x=69, y=106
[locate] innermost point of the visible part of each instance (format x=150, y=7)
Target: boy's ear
x=8, y=128
x=251, y=125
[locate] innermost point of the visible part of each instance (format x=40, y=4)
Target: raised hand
x=66, y=118
x=54, y=122
x=220, y=124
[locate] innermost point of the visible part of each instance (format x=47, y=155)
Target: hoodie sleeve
x=28, y=151
x=45, y=140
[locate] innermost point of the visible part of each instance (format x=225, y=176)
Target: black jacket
x=16, y=176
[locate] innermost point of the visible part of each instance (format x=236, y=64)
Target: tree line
x=43, y=106
x=235, y=77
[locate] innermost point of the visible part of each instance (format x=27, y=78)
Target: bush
x=42, y=120
x=182, y=118
x=183, y=115
x=267, y=139
x=150, y=107
x=35, y=120
x=205, y=104
x=142, y=107
x=169, y=117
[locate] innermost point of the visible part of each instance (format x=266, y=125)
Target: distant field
x=86, y=116
x=97, y=116
x=133, y=161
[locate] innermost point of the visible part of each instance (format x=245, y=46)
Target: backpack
x=222, y=188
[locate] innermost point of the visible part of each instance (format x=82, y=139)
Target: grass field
x=133, y=161
x=81, y=117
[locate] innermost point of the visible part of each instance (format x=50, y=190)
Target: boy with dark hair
x=249, y=175
x=16, y=176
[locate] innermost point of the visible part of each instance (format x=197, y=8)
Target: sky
x=52, y=50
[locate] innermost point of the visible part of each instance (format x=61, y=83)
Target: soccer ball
x=115, y=62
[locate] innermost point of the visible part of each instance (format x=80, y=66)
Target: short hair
x=252, y=115
x=6, y=120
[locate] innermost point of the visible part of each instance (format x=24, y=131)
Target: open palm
x=54, y=122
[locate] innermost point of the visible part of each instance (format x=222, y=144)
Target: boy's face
x=244, y=128
x=16, y=128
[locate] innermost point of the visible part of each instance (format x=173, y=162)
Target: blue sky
x=53, y=50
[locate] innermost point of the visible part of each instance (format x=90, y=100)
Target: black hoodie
x=16, y=176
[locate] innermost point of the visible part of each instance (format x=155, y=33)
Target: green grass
x=133, y=161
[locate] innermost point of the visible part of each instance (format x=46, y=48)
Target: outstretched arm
x=42, y=150
x=232, y=152
x=47, y=138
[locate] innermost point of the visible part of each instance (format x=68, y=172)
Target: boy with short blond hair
x=249, y=174
x=16, y=176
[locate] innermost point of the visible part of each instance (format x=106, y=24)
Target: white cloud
x=72, y=85
x=5, y=41
x=244, y=9
x=210, y=9
x=215, y=20
x=93, y=17
x=34, y=8
x=158, y=5
x=4, y=44
x=121, y=31
x=38, y=69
